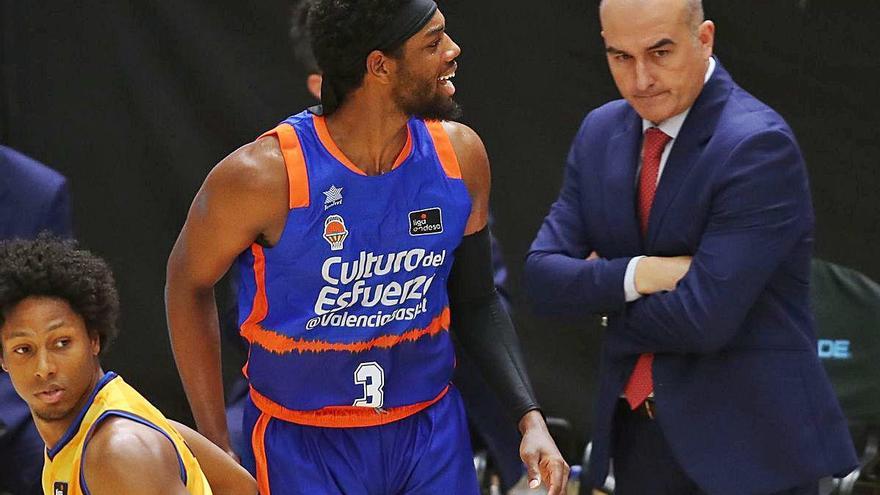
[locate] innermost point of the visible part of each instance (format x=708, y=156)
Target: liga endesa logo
x=335, y=232
x=425, y=222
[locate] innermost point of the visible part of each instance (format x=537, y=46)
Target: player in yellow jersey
x=58, y=309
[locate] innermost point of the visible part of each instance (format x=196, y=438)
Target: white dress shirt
x=671, y=128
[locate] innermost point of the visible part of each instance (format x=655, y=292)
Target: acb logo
x=335, y=232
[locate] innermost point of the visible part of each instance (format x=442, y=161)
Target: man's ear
x=706, y=34
x=380, y=66
x=95, y=343
x=313, y=83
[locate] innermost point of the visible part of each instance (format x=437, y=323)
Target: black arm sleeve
x=484, y=328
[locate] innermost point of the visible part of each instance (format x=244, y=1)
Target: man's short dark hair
x=340, y=32
x=53, y=267
x=299, y=37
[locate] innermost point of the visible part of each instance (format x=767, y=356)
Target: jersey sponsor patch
x=362, y=282
x=425, y=222
x=335, y=232
x=59, y=488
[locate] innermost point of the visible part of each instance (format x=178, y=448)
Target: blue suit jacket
x=33, y=198
x=740, y=393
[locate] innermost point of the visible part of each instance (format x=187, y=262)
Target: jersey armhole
x=295, y=163
x=136, y=419
x=444, y=149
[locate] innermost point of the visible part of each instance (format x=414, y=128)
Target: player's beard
x=50, y=415
x=58, y=413
x=423, y=99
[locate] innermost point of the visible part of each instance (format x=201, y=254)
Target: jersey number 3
x=372, y=377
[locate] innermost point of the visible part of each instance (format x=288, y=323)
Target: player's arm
x=127, y=457
x=225, y=476
x=482, y=324
x=242, y=199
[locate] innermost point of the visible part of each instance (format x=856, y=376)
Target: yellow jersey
x=63, y=470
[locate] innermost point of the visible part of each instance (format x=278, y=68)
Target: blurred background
x=135, y=101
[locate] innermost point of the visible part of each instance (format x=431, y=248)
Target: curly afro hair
x=52, y=267
x=340, y=32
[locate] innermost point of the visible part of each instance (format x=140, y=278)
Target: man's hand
x=657, y=274
x=540, y=455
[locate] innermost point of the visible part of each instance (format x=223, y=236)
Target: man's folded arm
x=760, y=211
x=558, y=277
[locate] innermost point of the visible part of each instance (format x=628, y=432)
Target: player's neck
x=52, y=430
x=370, y=135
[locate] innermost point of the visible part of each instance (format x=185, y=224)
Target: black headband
x=409, y=20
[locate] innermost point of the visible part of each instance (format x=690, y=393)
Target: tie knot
x=655, y=141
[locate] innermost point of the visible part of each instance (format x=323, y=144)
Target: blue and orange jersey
x=64, y=464
x=347, y=315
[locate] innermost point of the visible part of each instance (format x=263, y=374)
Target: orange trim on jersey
x=327, y=140
x=277, y=343
x=244, y=369
x=444, y=148
x=339, y=416
x=406, y=151
x=260, y=306
x=295, y=163
x=258, y=442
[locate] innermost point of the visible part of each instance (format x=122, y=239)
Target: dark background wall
x=135, y=101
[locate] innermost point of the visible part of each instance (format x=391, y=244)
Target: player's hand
x=538, y=451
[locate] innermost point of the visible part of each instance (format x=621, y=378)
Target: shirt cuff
x=629, y=280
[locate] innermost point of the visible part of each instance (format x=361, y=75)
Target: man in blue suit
x=685, y=219
x=33, y=198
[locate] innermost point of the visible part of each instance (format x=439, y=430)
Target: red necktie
x=640, y=384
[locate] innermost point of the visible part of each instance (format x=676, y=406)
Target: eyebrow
x=22, y=333
x=663, y=42
x=18, y=333
x=435, y=30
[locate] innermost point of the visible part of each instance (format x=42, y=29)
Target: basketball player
x=58, y=309
x=345, y=221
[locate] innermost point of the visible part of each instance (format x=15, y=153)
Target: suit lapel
x=695, y=133
x=620, y=203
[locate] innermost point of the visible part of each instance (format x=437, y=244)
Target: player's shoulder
x=127, y=456
x=462, y=136
x=128, y=440
x=468, y=146
x=256, y=166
